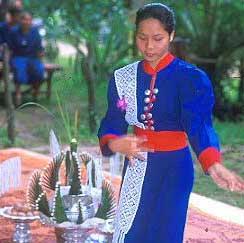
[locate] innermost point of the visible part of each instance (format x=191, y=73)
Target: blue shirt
x=25, y=44
x=5, y=30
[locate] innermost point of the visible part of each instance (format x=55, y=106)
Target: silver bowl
x=70, y=200
x=88, y=211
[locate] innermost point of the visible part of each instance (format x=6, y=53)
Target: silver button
x=146, y=108
x=155, y=91
x=143, y=117
x=147, y=92
x=150, y=105
x=146, y=122
x=147, y=100
x=149, y=115
x=152, y=128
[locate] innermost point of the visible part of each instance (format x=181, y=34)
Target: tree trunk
x=90, y=78
x=3, y=9
x=241, y=85
x=8, y=97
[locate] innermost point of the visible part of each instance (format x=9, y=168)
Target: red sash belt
x=163, y=140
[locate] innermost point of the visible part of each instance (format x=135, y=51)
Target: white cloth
x=10, y=174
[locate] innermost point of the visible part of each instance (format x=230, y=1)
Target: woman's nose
x=149, y=44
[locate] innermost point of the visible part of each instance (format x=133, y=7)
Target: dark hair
x=26, y=13
x=13, y=11
x=157, y=11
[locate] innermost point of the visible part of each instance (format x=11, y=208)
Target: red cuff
x=208, y=157
x=105, y=139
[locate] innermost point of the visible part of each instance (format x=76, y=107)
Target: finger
x=141, y=140
x=140, y=157
x=220, y=182
x=131, y=160
x=234, y=183
x=140, y=150
x=223, y=185
x=239, y=183
x=240, y=180
x=146, y=149
x=238, y=187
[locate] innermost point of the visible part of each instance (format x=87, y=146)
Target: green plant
x=36, y=196
x=50, y=175
x=107, y=207
x=80, y=217
x=58, y=212
x=75, y=188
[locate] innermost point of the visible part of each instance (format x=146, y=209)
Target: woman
x=26, y=46
x=166, y=100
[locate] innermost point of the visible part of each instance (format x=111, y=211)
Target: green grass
x=205, y=186
x=231, y=136
x=230, y=133
x=5, y=142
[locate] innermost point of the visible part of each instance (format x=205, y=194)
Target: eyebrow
x=153, y=35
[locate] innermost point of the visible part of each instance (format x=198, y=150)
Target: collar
x=164, y=62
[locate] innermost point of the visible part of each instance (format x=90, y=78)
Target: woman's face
x=152, y=40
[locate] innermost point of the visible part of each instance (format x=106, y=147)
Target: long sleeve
x=197, y=100
x=113, y=124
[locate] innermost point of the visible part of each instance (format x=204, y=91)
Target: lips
x=149, y=54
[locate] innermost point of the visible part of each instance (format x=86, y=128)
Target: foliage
x=85, y=158
x=50, y=175
x=68, y=168
x=106, y=209
x=214, y=31
x=75, y=188
x=99, y=32
x=80, y=217
x=59, y=215
x=36, y=197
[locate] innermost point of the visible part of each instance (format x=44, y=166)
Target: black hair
x=157, y=11
x=26, y=13
x=13, y=10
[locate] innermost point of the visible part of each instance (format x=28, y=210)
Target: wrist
x=214, y=167
x=111, y=145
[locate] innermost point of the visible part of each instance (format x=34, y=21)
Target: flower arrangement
x=71, y=191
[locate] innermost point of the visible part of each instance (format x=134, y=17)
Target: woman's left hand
x=225, y=178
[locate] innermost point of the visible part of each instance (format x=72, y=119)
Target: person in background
x=27, y=50
x=12, y=20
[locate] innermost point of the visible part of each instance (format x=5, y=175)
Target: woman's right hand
x=130, y=146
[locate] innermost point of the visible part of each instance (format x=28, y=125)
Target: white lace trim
x=126, y=83
x=129, y=198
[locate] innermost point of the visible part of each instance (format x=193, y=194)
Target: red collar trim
x=164, y=62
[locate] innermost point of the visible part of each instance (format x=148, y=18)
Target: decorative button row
x=146, y=117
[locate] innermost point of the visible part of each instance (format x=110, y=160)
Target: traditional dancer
x=166, y=100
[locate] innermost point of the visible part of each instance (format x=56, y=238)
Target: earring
x=171, y=38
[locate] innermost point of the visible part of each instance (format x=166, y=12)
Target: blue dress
x=154, y=210
x=25, y=47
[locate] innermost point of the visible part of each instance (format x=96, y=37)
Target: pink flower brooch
x=122, y=104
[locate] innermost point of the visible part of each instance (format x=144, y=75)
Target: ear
x=172, y=35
